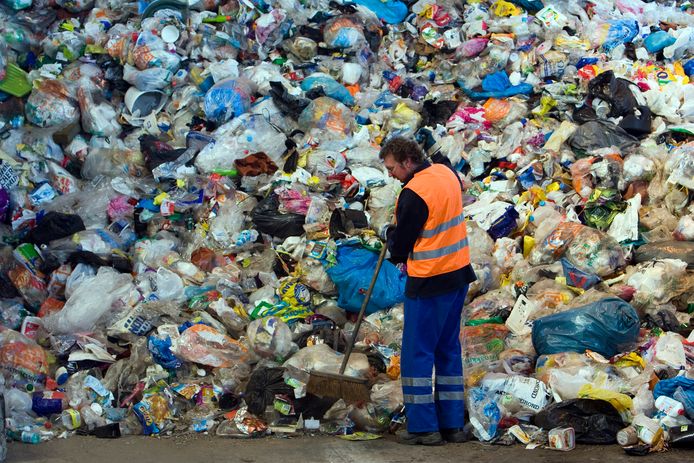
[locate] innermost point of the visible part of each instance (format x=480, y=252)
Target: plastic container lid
x=170, y=34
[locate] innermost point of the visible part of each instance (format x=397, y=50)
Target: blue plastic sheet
x=608, y=327
x=352, y=275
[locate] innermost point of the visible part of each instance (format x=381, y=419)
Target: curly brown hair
x=402, y=148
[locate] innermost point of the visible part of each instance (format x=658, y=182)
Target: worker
x=430, y=237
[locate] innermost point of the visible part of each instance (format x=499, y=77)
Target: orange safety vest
x=442, y=246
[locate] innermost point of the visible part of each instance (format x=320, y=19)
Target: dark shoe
x=454, y=436
x=420, y=438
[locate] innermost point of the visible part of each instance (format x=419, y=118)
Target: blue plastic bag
x=578, y=278
x=686, y=398
x=331, y=87
x=352, y=275
x=484, y=414
x=689, y=67
x=667, y=387
x=160, y=348
x=390, y=12
x=657, y=41
x=505, y=224
x=621, y=31
x=497, y=85
x=608, y=327
x=227, y=99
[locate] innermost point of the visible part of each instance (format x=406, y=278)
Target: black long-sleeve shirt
x=412, y=213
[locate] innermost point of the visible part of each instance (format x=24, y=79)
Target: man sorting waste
x=430, y=237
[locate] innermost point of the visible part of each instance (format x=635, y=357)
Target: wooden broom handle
x=362, y=311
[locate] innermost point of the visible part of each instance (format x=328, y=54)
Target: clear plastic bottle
x=91, y=418
x=669, y=406
x=69, y=419
x=28, y=437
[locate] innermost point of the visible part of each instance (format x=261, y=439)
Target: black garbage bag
x=682, y=250
x=663, y=319
x=262, y=387
x=345, y=221
x=597, y=134
x=53, y=226
x=531, y=6
x=608, y=326
x=289, y=104
x=615, y=91
x=638, y=125
x=594, y=421
x=584, y=114
x=313, y=406
x=437, y=113
x=157, y=152
x=7, y=289
x=267, y=219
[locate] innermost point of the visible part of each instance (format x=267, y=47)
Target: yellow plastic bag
x=621, y=402
x=504, y=8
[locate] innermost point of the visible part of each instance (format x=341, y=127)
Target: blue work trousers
x=431, y=339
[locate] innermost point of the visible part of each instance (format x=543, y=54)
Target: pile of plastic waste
x=190, y=193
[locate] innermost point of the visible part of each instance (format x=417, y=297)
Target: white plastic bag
x=90, y=302
x=532, y=394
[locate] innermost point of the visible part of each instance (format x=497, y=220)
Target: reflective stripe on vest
x=442, y=246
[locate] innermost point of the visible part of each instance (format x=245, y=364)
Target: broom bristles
x=338, y=387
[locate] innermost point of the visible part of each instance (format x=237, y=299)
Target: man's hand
x=383, y=231
x=426, y=138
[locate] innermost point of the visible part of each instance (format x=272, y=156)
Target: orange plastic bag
x=21, y=359
x=495, y=110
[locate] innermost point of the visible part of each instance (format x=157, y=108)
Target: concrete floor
x=205, y=449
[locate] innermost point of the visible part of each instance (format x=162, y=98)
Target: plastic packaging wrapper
x=270, y=337
x=320, y=357
x=607, y=327
x=586, y=248
x=658, y=282
x=206, y=346
x=531, y=393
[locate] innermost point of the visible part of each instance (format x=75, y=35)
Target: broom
x=348, y=388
